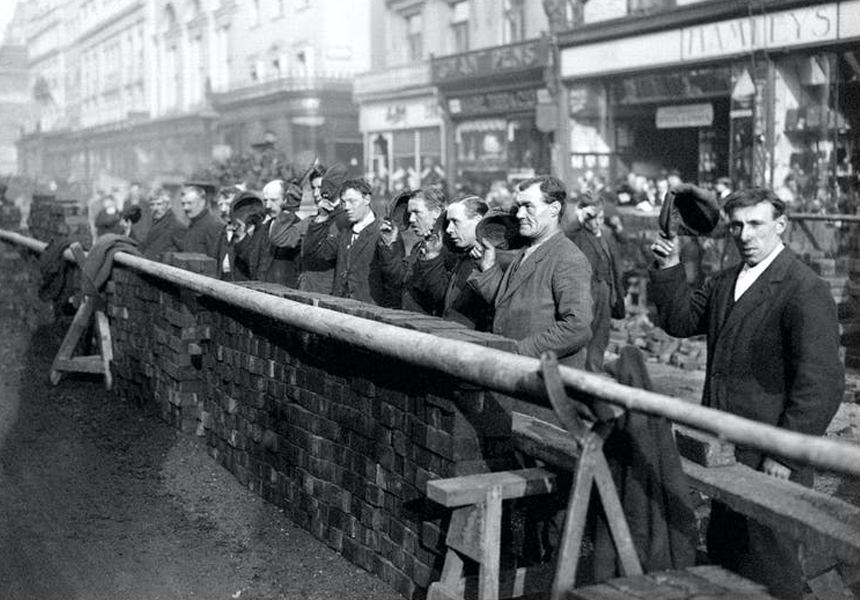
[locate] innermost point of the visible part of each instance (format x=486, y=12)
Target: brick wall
x=343, y=439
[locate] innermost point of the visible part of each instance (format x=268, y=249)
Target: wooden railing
x=497, y=370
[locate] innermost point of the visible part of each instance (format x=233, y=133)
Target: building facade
x=157, y=89
x=766, y=94
x=463, y=94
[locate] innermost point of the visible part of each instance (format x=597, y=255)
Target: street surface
x=100, y=500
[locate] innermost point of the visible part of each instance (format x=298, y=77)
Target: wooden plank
x=513, y=583
x=80, y=364
x=544, y=441
x=819, y=521
x=703, y=448
x=472, y=489
x=491, y=541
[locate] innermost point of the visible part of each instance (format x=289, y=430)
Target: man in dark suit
x=204, y=228
x=358, y=271
x=166, y=231
x=543, y=299
x=607, y=285
x=773, y=356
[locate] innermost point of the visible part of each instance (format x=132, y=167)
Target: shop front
x=768, y=99
x=491, y=98
x=403, y=144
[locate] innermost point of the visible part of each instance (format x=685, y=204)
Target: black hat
x=333, y=178
x=244, y=205
x=397, y=208
x=303, y=162
x=690, y=210
x=500, y=228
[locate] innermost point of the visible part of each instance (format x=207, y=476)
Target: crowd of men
x=770, y=322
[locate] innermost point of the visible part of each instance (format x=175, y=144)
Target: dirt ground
x=100, y=500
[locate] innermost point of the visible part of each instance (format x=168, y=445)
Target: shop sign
x=687, y=115
x=500, y=60
x=399, y=115
x=493, y=102
x=803, y=25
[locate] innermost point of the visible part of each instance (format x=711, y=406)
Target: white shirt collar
x=748, y=275
x=367, y=220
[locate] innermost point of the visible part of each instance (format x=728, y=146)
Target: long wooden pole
x=502, y=371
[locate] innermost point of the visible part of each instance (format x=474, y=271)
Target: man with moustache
x=166, y=231
x=773, y=356
x=204, y=228
x=543, y=299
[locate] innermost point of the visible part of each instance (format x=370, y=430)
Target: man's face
x=134, y=193
x=593, y=217
x=535, y=216
x=273, y=201
x=316, y=186
x=674, y=180
x=159, y=206
x=421, y=220
x=193, y=203
x=355, y=204
x=224, y=205
x=662, y=186
x=461, y=228
x=756, y=231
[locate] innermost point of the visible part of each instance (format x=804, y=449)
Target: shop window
x=817, y=118
x=515, y=21
x=430, y=152
x=460, y=26
x=414, y=42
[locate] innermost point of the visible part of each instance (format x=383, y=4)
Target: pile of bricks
x=343, y=439
x=160, y=335
x=689, y=354
x=51, y=218
x=10, y=217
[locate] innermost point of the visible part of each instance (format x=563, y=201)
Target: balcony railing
x=393, y=78
x=249, y=89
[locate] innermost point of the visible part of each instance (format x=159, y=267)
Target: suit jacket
x=319, y=253
x=773, y=356
x=358, y=271
x=203, y=234
x=604, y=265
x=543, y=302
x=164, y=235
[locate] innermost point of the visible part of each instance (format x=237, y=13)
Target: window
x=515, y=21
x=414, y=27
x=460, y=26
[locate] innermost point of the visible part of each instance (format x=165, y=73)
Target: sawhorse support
x=87, y=312
x=475, y=529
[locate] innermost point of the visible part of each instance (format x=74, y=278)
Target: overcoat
x=773, y=356
x=543, y=301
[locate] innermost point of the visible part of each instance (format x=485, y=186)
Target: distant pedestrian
x=204, y=227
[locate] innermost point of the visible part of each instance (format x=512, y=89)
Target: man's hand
x=775, y=469
x=666, y=251
x=432, y=246
x=388, y=233
x=484, y=254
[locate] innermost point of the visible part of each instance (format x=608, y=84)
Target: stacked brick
x=159, y=334
x=343, y=439
x=689, y=354
x=10, y=217
x=51, y=218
